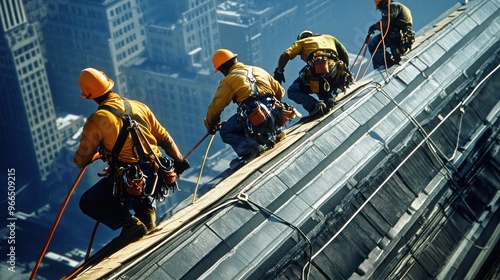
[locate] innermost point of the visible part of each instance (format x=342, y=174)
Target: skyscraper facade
x=29, y=138
x=176, y=78
x=103, y=34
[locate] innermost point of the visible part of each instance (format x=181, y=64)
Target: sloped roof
x=359, y=183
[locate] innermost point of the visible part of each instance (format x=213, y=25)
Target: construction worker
x=237, y=87
x=395, y=27
x=326, y=71
x=101, y=131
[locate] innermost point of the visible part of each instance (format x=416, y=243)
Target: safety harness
x=138, y=179
x=401, y=41
x=325, y=72
x=262, y=116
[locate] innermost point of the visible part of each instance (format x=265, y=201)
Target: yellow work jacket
x=236, y=88
x=103, y=127
x=304, y=47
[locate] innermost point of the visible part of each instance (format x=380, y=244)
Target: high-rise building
x=29, y=138
x=103, y=34
x=177, y=79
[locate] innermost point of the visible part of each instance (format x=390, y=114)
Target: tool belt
x=262, y=118
x=323, y=73
x=143, y=179
x=401, y=40
x=152, y=176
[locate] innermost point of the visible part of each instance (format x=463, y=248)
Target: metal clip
x=242, y=197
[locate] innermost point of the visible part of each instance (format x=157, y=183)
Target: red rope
x=58, y=218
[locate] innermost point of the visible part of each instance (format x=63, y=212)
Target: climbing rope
x=59, y=215
x=201, y=168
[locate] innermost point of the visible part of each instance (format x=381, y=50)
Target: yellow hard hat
x=94, y=83
x=222, y=56
x=377, y=2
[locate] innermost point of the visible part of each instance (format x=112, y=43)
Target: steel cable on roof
x=459, y=106
x=241, y=197
x=173, y=235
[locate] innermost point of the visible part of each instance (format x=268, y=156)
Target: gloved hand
x=181, y=166
x=213, y=130
x=279, y=76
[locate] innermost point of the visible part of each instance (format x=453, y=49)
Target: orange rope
x=363, y=49
x=58, y=218
x=382, y=41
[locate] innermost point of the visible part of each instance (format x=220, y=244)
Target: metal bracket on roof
x=242, y=197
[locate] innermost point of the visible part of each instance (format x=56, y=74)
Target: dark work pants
x=233, y=134
x=306, y=98
x=99, y=203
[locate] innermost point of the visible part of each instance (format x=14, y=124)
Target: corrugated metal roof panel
x=344, y=257
x=322, y=186
x=432, y=54
x=417, y=62
x=230, y=270
x=465, y=26
x=383, y=130
x=198, y=246
x=450, y=40
x=268, y=191
x=227, y=223
x=299, y=165
x=484, y=12
x=335, y=134
x=366, y=112
x=408, y=74
x=295, y=210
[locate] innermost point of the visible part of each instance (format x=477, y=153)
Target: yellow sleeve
x=91, y=138
x=221, y=100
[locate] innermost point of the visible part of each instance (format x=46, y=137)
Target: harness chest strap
x=128, y=127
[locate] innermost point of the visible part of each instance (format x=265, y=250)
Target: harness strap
x=129, y=126
x=251, y=80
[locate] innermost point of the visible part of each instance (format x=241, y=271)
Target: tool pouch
x=314, y=84
x=257, y=116
x=321, y=67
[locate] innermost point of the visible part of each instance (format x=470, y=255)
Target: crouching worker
x=128, y=136
x=395, y=29
x=326, y=71
x=257, y=125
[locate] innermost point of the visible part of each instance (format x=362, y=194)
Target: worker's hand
x=181, y=166
x=212, y=131
x=279, y=75
x=214, y=128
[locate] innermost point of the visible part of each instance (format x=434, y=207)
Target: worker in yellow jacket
x=100, y=132
x=235, y=87
x=325, y=72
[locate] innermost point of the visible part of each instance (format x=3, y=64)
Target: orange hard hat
x=94, y=83
x=222, y=56
x=377, y=2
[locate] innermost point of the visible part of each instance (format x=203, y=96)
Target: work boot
x=280, y=136
x=133, y=229
x=319, y=111
x=329, y=104
x=254, y=152
x=148, y=218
